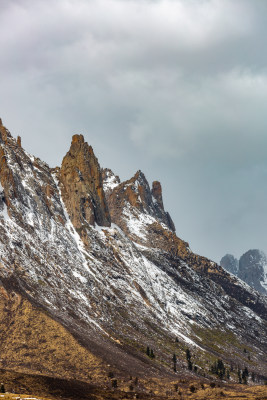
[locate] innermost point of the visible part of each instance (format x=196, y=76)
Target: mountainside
x=251, y=268
x=98, y=262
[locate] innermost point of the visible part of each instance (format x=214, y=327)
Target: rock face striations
x=98, y=260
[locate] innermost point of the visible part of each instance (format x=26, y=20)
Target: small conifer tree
x=188, y=357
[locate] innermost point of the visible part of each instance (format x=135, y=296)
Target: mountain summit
x=95, y=283
x=251, y=268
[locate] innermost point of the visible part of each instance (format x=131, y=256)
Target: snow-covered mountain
x=101, y=259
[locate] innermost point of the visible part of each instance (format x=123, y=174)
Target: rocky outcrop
x=253, y=269
x=81, y=187
x=229, y=263
x=110, y=181
x=136, y=194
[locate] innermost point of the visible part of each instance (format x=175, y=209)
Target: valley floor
x=34, y=387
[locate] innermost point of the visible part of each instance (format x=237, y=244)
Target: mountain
x=96, y=286
x=251, y=268
x=230, y=264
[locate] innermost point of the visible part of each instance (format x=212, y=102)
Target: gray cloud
x=177, y=88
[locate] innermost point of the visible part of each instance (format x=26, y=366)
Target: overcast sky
x=176, y=88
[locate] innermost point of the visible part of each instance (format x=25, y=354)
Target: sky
x=176, y=88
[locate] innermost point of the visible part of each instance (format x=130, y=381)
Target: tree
x=220, y=369
x=2, y=388
x=190, y=365
x=239, y=375
x=114, y=383
x=192, y=388
x=174, y=359
x=148, y=351
x=188, y=357
x=245, y=376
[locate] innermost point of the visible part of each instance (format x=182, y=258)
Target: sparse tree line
x=217, y=368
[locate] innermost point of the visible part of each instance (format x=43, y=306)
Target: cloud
x=181, y=83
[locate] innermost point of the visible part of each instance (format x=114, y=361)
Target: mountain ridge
x=101, y=257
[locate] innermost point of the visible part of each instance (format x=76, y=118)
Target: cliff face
x=81, y=187
x=135, y=195
x=101, y=258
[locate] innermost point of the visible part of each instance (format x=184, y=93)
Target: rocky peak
x=82, y=187
x=19, y=141
x=77, y=139
x=253, y=269
x=4, y=133
x=229, y=263
x=110, y=180
x=133, y=200
x=157, y=193
x=159, y=207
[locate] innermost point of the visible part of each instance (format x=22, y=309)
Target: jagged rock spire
x=82, y=186
x=137, y=193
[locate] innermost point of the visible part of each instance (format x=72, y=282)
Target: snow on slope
x=109, y=286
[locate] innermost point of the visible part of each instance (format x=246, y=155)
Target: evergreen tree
x=148, y=351
x=114, y=383
x=174, y=359
x=188, y=357
x=245, y=376
x=220, y=369
x=239, y=375
x=2, y=388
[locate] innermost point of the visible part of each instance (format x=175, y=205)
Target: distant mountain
x=96, y=286
x=230, y=264
x=251, y=268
